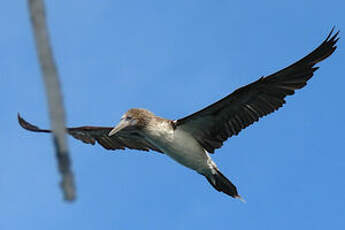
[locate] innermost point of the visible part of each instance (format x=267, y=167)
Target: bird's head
x=133, y=120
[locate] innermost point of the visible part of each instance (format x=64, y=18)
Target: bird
x=192, y=139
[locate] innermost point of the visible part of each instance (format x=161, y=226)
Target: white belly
x=183, y=148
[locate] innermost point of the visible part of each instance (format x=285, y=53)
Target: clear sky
x=173, y=58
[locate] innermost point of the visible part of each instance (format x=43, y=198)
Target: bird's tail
x=223, y=184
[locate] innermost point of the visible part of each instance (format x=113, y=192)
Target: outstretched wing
x=93, y=134
x=214, y=124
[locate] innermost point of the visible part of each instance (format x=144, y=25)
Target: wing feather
x=92, y=135
x=214, y=124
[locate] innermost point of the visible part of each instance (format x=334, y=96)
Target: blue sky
x=173, y=58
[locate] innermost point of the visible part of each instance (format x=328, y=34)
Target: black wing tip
x=332, y=38
x=26, y=125
x=326, y=49
x=330, y=33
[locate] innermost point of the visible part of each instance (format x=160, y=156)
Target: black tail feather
x=222, y=184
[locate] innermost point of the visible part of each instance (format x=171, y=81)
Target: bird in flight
x=191, y=139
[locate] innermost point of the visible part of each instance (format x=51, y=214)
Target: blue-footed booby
x=191, y=140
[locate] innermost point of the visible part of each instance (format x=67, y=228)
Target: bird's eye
x=128, y=118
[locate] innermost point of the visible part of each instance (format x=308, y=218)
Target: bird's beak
x=123, y=124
